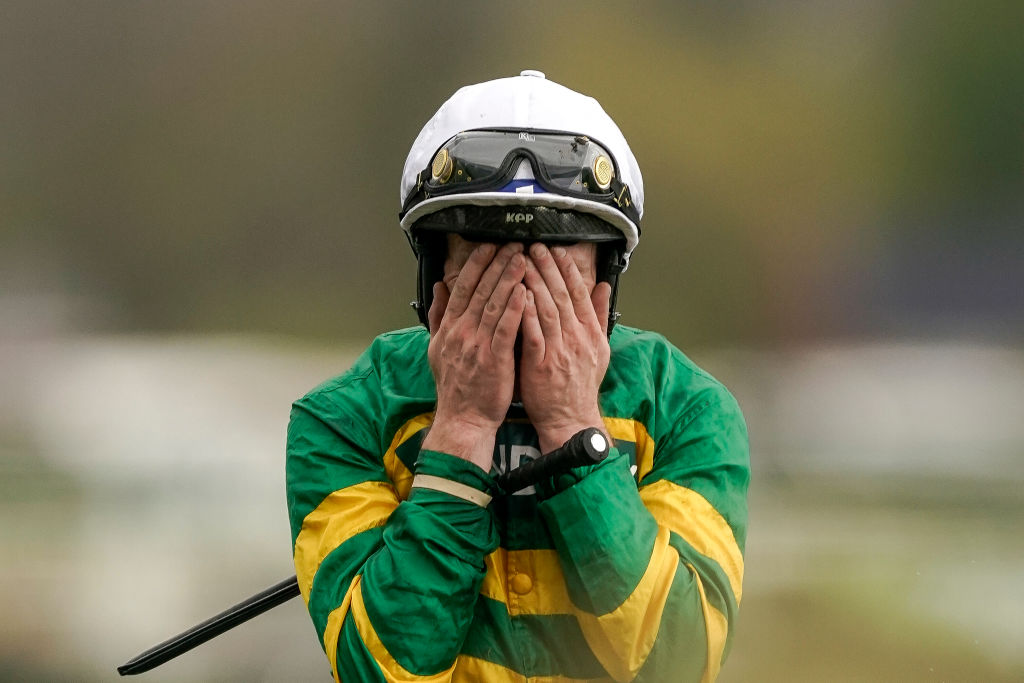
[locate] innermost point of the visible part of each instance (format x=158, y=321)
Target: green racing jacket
x=631, y=569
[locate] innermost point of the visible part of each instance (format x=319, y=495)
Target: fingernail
x=537, y=249
x=516, y=246
x=558, y=252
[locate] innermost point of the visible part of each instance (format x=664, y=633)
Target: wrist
x=554, y=436
x=463, y=439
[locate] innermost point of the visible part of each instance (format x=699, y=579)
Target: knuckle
x=500, y=340
x=462, y=337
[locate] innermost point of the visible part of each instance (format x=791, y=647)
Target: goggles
x=487, y=160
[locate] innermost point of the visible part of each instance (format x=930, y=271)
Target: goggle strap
x=417, y=193
x=624, y=200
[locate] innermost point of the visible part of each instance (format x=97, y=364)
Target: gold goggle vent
x=603, y=171
x=441, y=169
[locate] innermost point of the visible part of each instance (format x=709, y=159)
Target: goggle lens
x=569, y=163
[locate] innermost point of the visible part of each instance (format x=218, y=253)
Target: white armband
x=457, y=489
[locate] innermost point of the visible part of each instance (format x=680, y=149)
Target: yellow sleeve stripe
x=339, y=517
x=690, y=515
x=717, y=629
x=333, y=629
x=622, y=639
x=396, y=470
x=624, y=429
x=473, y=670
x=389, y=666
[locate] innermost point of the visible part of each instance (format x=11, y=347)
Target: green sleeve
x=416, y=564
x=681, y=532
x=421, y=587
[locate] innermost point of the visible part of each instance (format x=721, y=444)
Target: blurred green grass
x=844, y=585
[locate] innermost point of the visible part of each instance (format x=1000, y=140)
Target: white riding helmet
x=521, y=159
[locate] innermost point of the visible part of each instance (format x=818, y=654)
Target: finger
x=602, y=298
x=533, y=336
x=547, y=311
x=503, y=341
x=469, y=276
x=548, y=269
x=437, y=307
x=496, y=304
x=490, y=278
x=579, y=293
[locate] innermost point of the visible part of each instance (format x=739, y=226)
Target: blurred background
x=198, y=223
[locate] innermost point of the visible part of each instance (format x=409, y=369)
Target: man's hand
x=565, y=347
x=473, y=331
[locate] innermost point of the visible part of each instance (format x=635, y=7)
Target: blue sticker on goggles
x=520, y=186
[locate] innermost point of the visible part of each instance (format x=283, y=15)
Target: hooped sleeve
x=390, y=584
x=655, y=572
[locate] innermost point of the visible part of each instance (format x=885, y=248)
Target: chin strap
x=431, y=250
